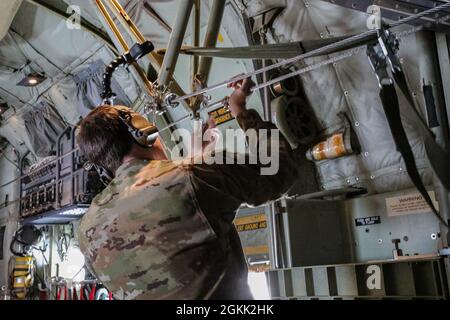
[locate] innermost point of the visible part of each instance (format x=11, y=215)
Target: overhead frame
x=398, y=9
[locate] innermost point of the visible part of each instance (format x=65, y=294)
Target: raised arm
x=222, y=188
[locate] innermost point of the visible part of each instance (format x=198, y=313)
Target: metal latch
x=383, y=54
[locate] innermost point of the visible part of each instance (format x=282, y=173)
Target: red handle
x=92, y=294
x=82, y=293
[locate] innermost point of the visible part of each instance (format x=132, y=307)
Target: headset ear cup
x=145, y=129
x=139, y=122
x=141, y=129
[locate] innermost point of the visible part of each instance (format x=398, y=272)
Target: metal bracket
x=160, y=100
x=138, y=51
x=169, y=100
x=383, y=54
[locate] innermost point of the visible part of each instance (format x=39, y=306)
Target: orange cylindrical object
x=332, y=148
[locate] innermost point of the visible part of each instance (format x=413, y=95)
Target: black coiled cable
x=107, y=93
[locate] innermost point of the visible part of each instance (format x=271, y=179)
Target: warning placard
x=250, y=223
x=221, y=115
x=409, y=204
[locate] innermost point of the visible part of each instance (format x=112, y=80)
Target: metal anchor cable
x=286, y=76
x=312, y=67
x=422, y=14
x=350, y=53
x=316, y=52
x=276, y=65
x=347, y=54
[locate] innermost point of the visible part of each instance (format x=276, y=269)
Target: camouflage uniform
x=163, y=229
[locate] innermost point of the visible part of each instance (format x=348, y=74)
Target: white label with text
x=409, y=204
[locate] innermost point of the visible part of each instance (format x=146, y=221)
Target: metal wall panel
x=358, y=230
x=412, y=279
x=418, y=233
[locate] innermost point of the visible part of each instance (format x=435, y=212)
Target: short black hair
x=104, y=139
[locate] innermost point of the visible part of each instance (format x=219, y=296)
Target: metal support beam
x=175, y=42
x=212, y=32
x=162, y=120
x=195, y=41
x=273, y=218
x=276, y=50
x=265, y=78
x=129, y=26
x=248, y=25
x=148, y=86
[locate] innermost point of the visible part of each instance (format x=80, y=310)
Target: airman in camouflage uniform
x=163, y=229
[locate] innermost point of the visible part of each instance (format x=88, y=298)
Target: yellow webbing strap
x=22, y=276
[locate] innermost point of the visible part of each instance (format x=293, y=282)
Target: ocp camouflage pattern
x=146, y=238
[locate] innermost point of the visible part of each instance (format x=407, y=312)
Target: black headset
x=143, y=132
x=26, y=239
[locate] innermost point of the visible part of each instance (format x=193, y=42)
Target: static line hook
x=169, y=100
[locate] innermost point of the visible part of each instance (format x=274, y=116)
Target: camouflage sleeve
x=222, y=188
